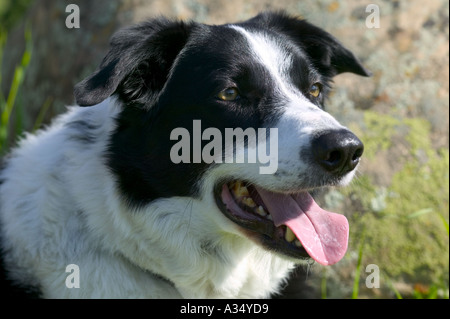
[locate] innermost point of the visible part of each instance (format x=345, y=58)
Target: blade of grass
x=444, y=222
x=42, y=112
x=20, y=117
x=420, y=213
x=3, y=36
x=323, y=284
x=18, y=77
x=391, y=285
x=358, y=267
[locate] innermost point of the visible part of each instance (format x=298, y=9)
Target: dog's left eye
x=315, y=89
x=229, y=94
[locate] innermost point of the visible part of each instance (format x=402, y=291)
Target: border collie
x=98, y=190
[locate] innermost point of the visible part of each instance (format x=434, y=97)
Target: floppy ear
x=137, y=63
x=326, y=52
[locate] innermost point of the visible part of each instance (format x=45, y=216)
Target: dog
x=95, y=206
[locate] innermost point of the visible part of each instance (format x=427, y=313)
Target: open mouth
x=292, y=224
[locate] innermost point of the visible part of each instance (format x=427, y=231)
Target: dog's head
x=186, y=87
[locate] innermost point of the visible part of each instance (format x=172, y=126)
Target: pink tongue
x=324, y=235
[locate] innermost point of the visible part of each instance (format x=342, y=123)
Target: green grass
x=355, y=291
x=8, y=103
x=401, y=227
x=12, y=11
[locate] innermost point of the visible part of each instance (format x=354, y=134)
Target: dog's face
x=272, y=72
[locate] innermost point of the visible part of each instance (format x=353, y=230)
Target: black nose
x=337, y=151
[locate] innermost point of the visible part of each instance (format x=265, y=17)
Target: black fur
x=137, y=65
x=328, y=55
x=83, y=132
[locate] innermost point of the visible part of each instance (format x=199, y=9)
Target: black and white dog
x=100, y=189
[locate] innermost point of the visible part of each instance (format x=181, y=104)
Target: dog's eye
x=315, y=89
x=229, y=94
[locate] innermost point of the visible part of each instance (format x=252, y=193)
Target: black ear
x=325, y=51
x=137, y=63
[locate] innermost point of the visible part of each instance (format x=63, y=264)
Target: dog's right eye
x=315, y=89
x=229, y=94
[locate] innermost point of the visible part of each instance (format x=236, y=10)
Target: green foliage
x=7, y=104
x=11, y=11
x=378, y=133
x=406, y=236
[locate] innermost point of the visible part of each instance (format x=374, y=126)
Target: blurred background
x=398, y=207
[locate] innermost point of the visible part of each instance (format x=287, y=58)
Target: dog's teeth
x=249, y=202
x=239, y=190
x=298, y=243
x=289, y=235
x=261, y=211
